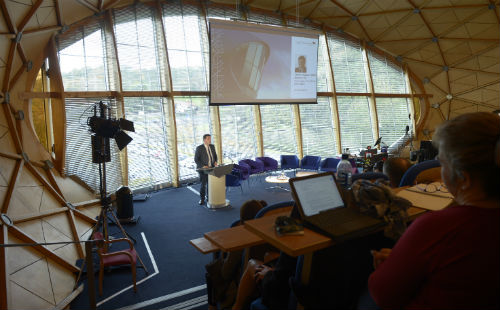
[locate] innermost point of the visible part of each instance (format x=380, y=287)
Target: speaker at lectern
x=217, y=185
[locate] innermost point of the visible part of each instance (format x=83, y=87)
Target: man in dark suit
x=205, y=157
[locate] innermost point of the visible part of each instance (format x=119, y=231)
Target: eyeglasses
x=433, y=187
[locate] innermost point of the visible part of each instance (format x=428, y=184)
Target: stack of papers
x=435, y=201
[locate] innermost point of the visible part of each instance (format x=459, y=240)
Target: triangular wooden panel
x=81, y=226
x=486, y=63
x=25, y=200
x=18, y=9
x=401, y=47
x=49, y=202
x=52, y=234
x=68, y=252
x=61, y=276
x=60, y=222
x=6, y=168
x=27, y=179
x=441, y=80
x=24, y=299
x=353, y=5
x=35, y=278
x=20, y=257
x=456, y=75
x=72, y=191
x=91, y=211
x=45, y=16
x=442, y=16
x=34, y=229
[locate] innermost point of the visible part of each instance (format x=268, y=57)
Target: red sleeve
x=395, y=282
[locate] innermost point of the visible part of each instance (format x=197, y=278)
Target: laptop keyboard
x=337, y=218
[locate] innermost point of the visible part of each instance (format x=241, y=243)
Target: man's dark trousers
x=204, y=185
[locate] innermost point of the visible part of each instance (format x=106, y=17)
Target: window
x=348, y=65
x=392, y=118
x=318, y=133
x=148, y=157
x=187, y=43
x=79, y=146
x=278, y=130
x=355, y=123
x=387, y=77
x=193, y=121
x=238, y=132
x=82, y=59
x=138, y=52
x=41, y=112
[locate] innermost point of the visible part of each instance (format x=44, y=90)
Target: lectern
x=217, y=186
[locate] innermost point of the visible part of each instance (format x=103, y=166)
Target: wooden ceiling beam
x=100, y=4
x=16, y=174
x=352, y=15
x=314, y=9
x=88, y=5
x=447, y=31
x=4, y=269
x=8, y=20
x=28, y=16
x=476, y=88
x=38, y=215
x=298, y=6
x=110, y=4
x=46, y=184
x=8, y=67
x=59, y=12
x=17, y=76
x=41, y=30
x=19, y=234
x=451, y=7
x=492, y=2
x=384, y=12
x=477, y=103
x=74, y=231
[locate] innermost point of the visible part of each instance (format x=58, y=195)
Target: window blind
x=193, y=121
x=387, y=76
x=355, y=122
x=139, y=52
x=82, y=58
x=318, y=133
x=392, y=118
x=149, y=161
x=324, y=79
x=278, y=130
x=79, y=147
x=187, y=43
x=239, y=139
x=348, y=64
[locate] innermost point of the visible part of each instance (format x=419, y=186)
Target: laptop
x=321, y=208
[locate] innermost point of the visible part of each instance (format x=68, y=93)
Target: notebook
x=321, y=207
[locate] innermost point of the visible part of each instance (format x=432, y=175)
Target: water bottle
x=344, y=170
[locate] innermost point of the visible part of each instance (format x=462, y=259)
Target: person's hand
x=380, y=256
x=260, y=272
x=216, y=164
x=205, y=167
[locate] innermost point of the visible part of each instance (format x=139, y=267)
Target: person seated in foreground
x=222, y=274
x=395, y=168
x=450, y=259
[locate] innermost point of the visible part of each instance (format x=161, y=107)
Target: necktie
x=209, y=156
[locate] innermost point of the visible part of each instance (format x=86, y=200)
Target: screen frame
x=272, y=27
x=291, y=182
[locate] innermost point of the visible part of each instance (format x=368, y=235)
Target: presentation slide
x=257, y=64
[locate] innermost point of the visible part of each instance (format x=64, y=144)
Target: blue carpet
x=169, y=219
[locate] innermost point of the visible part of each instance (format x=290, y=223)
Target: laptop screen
x=317, y=194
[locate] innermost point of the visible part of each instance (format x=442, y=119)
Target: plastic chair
x=369, y=176
x=329, y=164
x=410, y=175
x=310, y=162
x=289, y=162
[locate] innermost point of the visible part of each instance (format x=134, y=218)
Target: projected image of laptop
x=321, y=207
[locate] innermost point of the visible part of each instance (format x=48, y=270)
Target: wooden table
x=204, y=245
x=294, y=246
x=233, y=239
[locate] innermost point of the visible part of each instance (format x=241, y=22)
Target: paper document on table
x=430, y=201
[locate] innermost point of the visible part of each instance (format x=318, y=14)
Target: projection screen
x=261, y=64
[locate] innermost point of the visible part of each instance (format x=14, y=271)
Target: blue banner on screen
x=261, y=64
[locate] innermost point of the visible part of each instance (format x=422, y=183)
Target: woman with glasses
x=450, y=258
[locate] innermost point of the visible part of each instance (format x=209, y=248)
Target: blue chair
x=329, y=164
x=310, y=162
x=255, y=166
x=289, y=162
x=369, y=176
x=410, y=175
x=233, y=181
x=270, y=164
x=242, y=171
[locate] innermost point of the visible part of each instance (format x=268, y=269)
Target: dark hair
x=395, y=168
x=205, y=136
x=471, y=143
x=250, y=208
